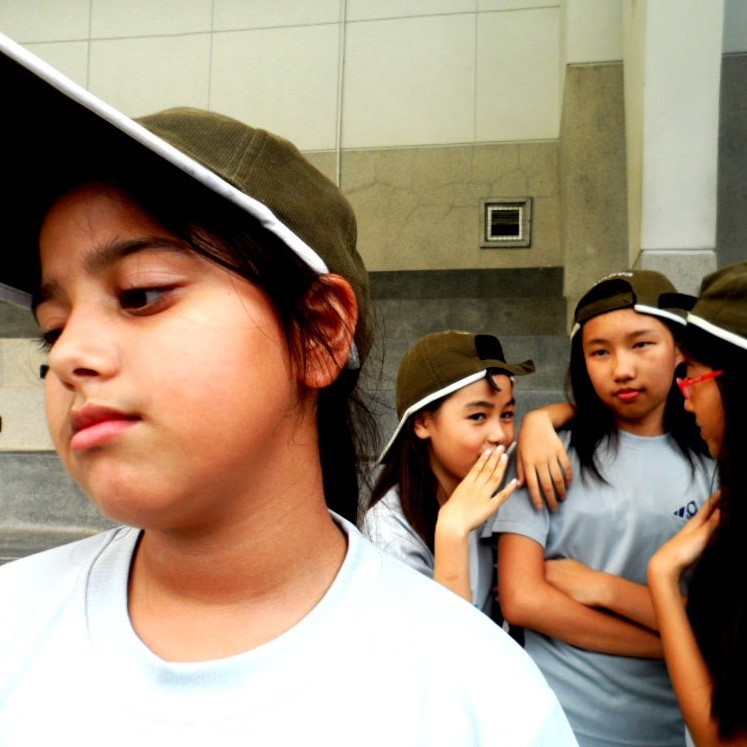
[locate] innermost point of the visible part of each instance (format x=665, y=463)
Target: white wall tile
x=70, y=58
x=516, y=4
x=121, y=18
x=284, y=80
x=24, y=424
x=409, y=81
x=233, y=15
x=594, y=31
x=518, y=76
x=44, y=20
x=140, y=76
x=366, y=10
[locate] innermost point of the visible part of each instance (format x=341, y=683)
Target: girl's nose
x=623, y=367
x=496, y=435
x=82, y=352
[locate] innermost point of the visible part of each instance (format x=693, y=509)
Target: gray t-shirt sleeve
x=519, y=516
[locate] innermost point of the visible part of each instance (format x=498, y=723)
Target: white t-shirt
x=386, y=658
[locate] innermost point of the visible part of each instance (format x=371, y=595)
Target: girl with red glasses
x=705, y=634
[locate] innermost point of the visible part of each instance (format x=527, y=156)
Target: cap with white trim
x=645, y=291
x=721, y=308
x=51, y=127
x=440, y=364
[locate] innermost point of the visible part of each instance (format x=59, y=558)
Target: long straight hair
x=408, y=468
x=717, y=595
x=594, y=422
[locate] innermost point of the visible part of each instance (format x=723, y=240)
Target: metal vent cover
x=505, y=222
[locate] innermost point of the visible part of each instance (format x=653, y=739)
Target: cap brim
x=515, y=369
x=51, y=125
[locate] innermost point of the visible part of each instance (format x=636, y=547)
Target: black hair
x=717, y=598
x=211, y=226
x=593, y=422
x=408, y=467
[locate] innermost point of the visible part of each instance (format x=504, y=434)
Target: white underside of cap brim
x=643, y=309
x=712, y=329
x=146, y=138
x=450, y=389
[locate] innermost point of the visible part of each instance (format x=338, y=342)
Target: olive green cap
x=645, y=291
x=721, y=308
x=440, y=364
x=52, y=125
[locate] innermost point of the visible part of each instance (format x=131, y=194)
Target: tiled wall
x=355, y=74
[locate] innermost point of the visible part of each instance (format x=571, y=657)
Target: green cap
x=440, y=364
x=644, y=291
x=721, y=308
x=57, y=125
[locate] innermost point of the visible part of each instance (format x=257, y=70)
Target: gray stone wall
x=731, y=229
x=593, y=187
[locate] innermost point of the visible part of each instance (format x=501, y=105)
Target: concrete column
x=672, y=60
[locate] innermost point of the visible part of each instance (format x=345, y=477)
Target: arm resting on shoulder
x=528, y=600
x=541, y=459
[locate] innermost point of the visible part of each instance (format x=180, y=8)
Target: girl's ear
x=678, y=357
x=334, y=310
x=421, y=424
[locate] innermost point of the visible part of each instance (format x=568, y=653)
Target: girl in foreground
x=205, y=314
x=446, y=460
x=705, y=635
x=639, y=477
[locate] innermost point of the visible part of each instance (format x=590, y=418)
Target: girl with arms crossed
x=638, y=477
x=198, y=287
x=705, y=634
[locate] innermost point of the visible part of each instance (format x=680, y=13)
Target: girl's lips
x=627, y=395
x=93, y=425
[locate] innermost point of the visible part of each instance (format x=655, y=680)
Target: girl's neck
x=246, y=583
x=651, y=425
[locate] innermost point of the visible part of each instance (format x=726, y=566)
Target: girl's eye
x=599, y=353
x=642, y=344
x=477, y=416
x=507, y=415
x=49, y=338
x=140, y=298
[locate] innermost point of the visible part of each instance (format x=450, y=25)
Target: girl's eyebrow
x=645, y=332
x=478, y=403
x=105, y=256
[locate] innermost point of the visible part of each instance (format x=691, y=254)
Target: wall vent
x=506, y=222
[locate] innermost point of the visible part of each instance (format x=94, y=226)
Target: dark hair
x=594, y=422
x=213, y=227
x=408, y=466
x=717, y=598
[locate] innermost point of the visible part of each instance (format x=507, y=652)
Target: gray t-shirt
x=386, y=526
x=616, y=528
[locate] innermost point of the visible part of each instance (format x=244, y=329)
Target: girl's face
x=631, y=359
x=706, y=404
x=468, y=422
x=170, y=391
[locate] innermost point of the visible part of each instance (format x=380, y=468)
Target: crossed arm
x=529, y=598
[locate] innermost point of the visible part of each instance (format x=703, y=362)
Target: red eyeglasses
x=686, y=385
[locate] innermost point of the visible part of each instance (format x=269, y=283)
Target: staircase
x=524, y=308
